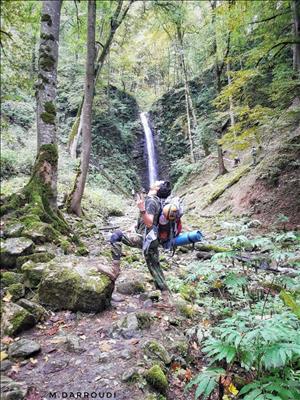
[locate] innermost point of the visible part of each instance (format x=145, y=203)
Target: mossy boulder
x=73, y=283
x=156, y=351
x=131, y=287
x=36, y=258
x=13, y=248
x=9, y=278
x=33, y=273
x=40, y=232
x=17, y=290
x=185, y=309
x=33, y=308
x=157, y=379
x=13, y=230
x=15, y=319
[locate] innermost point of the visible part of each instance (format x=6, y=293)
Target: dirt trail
x=84, y=353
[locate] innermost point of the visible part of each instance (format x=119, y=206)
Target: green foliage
x=206, y=382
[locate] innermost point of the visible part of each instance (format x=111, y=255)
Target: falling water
x=152, y=165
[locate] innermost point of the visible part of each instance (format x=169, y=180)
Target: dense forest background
x=219, y=80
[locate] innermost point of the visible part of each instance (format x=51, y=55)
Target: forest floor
x=89, y=353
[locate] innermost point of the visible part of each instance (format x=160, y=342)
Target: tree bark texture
x=76, y=195
x=295, y=4
x=46, y=89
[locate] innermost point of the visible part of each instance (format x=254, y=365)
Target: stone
x=144, y=320
x=255, y=223
x=14, y=230
x=11, y=390
x=13, y=248
x=157, y=379
x=130, y=287
x=33, y=273
x=23, y=348
x=5, y=365
x=15, y=319
x=155, y=295
x=17, y=290
x=73, y=344
x=73, y=283
x=156, y=351
x=131, y=375
x=125, y=327
x=9, y=278
x=35, y=257
x=33, y=308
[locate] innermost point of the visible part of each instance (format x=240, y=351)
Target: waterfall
x=152, y=164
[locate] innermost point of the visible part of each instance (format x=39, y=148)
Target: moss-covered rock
x=157, y=379
x=131, y=287
x=8, y=278
x=144, y=320
x=13, y=230
x=15, y=319
x=33, y=308
x=17, y=290
x=185, y=309
x=188, y=292
x=33, y=273
x=13, y=248
x=73, y=283
x=40, y=232
x=156, y=351
x=42, y=257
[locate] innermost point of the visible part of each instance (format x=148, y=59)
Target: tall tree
x=102, y=52
x=45, y=95
x=77, y=192
x=295, y=4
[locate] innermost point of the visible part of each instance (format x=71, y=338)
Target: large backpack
x=169, y=221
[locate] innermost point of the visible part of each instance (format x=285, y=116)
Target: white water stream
x=152, y=164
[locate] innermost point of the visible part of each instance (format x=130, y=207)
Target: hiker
x=145, y=235
x=254, y=155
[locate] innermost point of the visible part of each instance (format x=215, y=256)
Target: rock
x=15, y=319
x=131, y=375
x=131, y=287
x=255, y=223
x=23, y=348
x=14, y=230
x=35, y=309
x=40, y=233
x=73, y=344
x=73, y=283
x=144, y=320
x=185, y=309
x=11, y=390
x=9, y=278
x=13, y=248
x=33, y=273
x=181, y=347
x=5, y=365
x=155, y=295
x=36, y=257
x=17, y=290
x=157, y=379
x=156, y=351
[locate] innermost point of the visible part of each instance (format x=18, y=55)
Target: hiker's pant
x=151, y=256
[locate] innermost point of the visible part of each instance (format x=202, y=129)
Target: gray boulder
x=23, y=348
x=74, y=283
x=11, y=390
x=15, y=319
x=13, y=248
x=156, y=352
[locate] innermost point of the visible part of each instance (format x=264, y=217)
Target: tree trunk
x=76, y=195
x=295, y=4
x=231, y=112
x=102, y=53
x=46, y=94
x=218, y=72
x=189, y=102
